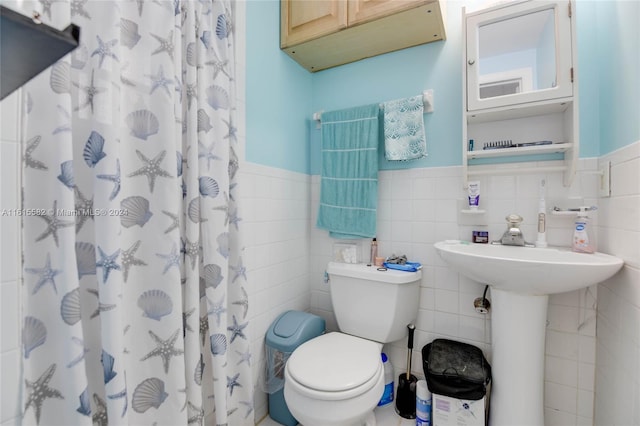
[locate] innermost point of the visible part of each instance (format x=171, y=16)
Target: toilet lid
x=335, y=362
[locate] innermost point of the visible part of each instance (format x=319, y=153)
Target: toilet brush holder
x=406, y=395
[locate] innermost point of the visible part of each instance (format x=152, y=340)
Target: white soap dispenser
x=581, y=241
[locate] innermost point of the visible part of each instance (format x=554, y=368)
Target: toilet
x=337, y=379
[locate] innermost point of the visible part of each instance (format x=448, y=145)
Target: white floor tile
x=385, y=416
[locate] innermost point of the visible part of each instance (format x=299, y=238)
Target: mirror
x=518, y=52
x=510, y=65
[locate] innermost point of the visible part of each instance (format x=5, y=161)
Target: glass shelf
x=516, y=151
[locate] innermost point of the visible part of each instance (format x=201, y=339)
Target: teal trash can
x=287, y=332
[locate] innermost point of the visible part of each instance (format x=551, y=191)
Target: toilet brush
x=406, y=395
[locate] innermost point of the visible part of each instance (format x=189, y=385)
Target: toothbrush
x=588, y=209
x=541, y=241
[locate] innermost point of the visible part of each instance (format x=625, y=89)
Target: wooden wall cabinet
x=320, y=34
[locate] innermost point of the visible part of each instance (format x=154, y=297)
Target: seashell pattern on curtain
x=134, y=296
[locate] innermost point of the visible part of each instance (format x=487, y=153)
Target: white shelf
x=550, y=120
x=524, y=150
x=552, y=106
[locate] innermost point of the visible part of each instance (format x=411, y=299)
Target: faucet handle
x=514, y=219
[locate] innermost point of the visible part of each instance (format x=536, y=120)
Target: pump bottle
x=581, y=241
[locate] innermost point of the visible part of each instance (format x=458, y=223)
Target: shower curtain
x=135, y=294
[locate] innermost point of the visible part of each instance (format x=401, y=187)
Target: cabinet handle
x=471, y=61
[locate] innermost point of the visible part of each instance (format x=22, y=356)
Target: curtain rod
x=427, y=99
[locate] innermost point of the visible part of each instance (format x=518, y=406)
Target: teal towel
x=349, y=185
x=404, y=136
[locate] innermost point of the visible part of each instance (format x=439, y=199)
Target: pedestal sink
x=521, y=280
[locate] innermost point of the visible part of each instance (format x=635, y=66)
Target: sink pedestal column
x=518, y=326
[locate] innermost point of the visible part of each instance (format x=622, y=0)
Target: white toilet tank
x=372, y=304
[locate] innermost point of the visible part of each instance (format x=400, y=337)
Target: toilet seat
x=334, y=366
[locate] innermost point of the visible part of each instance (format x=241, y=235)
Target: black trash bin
x=458, y=376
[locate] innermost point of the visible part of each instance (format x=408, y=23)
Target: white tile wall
x=276, y=225
x=10, y=276
x=418, y=207
x=617, y=375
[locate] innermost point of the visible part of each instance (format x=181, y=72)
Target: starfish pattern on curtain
x=134, y=297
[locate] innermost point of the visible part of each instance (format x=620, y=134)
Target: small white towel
x=404, y=135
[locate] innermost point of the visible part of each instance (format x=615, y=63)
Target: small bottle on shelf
x=374, y=251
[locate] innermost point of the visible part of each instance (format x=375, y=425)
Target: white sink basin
x=521, y=280
x=528, y=270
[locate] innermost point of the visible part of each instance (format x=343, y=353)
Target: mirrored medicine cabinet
x=520, y=104
x=518, y=53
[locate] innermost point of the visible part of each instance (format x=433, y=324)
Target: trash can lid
x=457, y=360
x=287, y=325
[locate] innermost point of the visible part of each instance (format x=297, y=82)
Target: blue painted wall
x=278, y=95
x=618, y=59
x=397, y=75
x=282, y=96
x=588, y=78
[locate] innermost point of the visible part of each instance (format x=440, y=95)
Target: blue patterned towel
x=404, y=137
x=349, y=185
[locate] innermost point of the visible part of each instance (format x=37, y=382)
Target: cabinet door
x=303, y=20
x=519, y=53
x=366, y=10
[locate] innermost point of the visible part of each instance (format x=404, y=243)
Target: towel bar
x=427, y=98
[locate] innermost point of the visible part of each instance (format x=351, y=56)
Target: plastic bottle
x=387, y=396
x=374, y=251
x=581, y=241
x=474, y=194
x=423, y=404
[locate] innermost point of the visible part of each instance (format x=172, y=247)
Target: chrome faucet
x=513, y=235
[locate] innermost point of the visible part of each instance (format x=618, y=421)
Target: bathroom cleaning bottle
x=581, y=241
x=387, y=395
x=374, y=251
x=423, y=404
